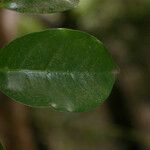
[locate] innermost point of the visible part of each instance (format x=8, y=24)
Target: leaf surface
x=1, y=147
x=65, y=69
x=38, y=6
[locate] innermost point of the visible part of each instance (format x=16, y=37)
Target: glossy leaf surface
x=66, y=69
x=38, y=6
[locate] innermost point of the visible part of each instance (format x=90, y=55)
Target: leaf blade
x=66, y=69
x=39, y=6
x=1, y=147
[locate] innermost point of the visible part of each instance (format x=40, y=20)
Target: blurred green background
x=123, y=121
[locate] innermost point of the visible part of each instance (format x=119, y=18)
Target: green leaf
x=66, y=69
x=38, y=6
x=1, y=147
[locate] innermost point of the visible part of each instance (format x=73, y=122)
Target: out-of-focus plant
x=1, y=147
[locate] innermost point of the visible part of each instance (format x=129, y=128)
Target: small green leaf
x=1, y=147
x=38, y=6
x=66, y=69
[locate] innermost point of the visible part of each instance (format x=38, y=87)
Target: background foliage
x=122, y=122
